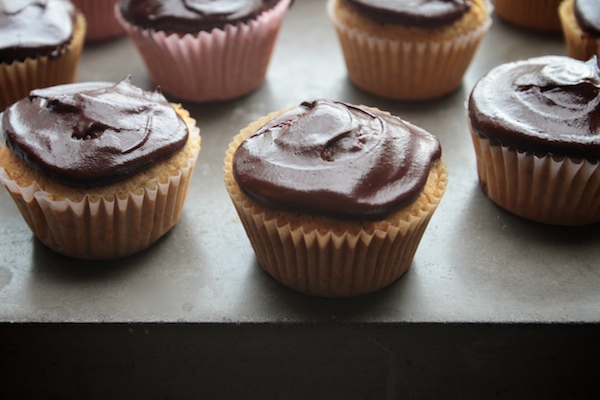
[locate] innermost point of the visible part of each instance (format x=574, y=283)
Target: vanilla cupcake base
x=104, y=222
x=326, y=257
x=414, y=67
x=580, y=45
x=18, y=78
x=210, y=66
x=548, y=189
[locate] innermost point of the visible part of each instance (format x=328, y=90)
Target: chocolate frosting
x=336, y=159
x=420, y=13
x=32, y=28
x=94, y=133
x=191, y=16
x=587, y=13
x=543, y=105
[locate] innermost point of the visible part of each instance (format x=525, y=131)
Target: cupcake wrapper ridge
x=406, y=70
x=18, y=78
x=547, y=189
x=106, y=228
x=100, y=15
x=211, y=66
x=330, y=262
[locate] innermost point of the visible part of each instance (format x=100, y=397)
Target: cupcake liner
x=105, y=228
x=101, y=22
x=210, y=66
x=580, y=45
x=325, y=257
x=548, y=189
x=19, y=78
x=538, y=15
x=406, y=70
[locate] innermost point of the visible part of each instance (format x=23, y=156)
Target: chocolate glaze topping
x=336, y=159
x=587, y=13
x=94, y=133
x=420, y=13
x=542, y=105
x=31, y=28
x=191, y=16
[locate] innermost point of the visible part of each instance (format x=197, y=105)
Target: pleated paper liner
x=210, y=66
x=537, y=15
x=579, y=45
x=326, y=257
x=19, y=78
x=122, y=220
x=547, y=189
x=406, y=69
x=101, y=21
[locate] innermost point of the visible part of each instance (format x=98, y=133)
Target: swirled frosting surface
x=421, y=13
x=336, y=159
x=190, y=16
x=544, y=105
x=93, y=133
x=31, y=28
x=587, y=13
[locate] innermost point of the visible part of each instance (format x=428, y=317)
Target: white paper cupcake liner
x=406, y=70
x=324, y=257
x=105, y=228
x=18, y=78
x=210, y=66
x=548, y=189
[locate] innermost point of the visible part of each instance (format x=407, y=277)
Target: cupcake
x=537, y=15
x=99, y=170
x=334, y=197
x=409, y=50
x=40, y=45
x=535, y=126
x=581, y=27
x=204, y=51
x=101, y=21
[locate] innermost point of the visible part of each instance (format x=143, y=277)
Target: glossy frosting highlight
x=420, y=13
x=93, y=133
x=336, y=159
x=31, y=28
x=544, y=105
x=191, y=16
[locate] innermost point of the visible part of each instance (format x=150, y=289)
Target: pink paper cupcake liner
x=210, y=66
x=100, y=15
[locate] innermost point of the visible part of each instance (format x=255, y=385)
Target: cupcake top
x=191, y=16
x=93, y=133
x=336, y=159
x=32, y=28
x=420, y=13
x=587, y=13
x=543, y=105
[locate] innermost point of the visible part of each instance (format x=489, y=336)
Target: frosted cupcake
x=535, y=126
x=581, y=27
x=101, y=22
x=40, y=45
x=537, y=15
x=334, y=197
x=107, y=171
x=409, y=50
x=204, y=51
